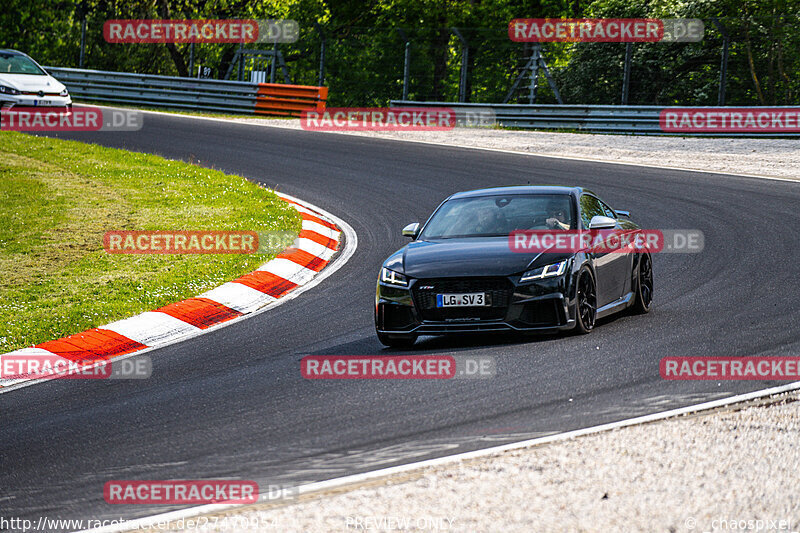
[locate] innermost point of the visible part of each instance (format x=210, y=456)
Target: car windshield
x=18, y=64
x=494, y=216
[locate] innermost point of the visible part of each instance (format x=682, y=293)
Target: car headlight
x=8, y=90
x=390, y=277
x=548, y=271
x=65, y=92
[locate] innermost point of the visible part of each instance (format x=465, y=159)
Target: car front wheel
x=586, y=308
x=643, y=297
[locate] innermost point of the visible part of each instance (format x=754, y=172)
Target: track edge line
x=319, y=486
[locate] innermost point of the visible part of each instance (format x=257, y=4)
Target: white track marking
x=238, y=297
x=314, y=248
x=146, y=522
x=289, y=270
x=152, y=328
x=325, y=231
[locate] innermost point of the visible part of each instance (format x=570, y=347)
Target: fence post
x=534, y=86
x=406, y=70
x=406, y=62
x=321, y=78
x=322, y=64
x=274, y=66
x=241, y=63
x=462, y=82
x=626, y=76
x=723, y=67
x=82, y=9
x=191, y=60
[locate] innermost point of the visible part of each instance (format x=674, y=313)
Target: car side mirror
x=412, y=230
x=623, y=213
x=601, y=222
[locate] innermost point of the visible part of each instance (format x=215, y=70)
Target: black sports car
x=460, y=274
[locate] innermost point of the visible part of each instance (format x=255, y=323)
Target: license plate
x=37, y=103
x=472, y=299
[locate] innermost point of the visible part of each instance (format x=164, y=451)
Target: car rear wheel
x=586, y=310
x=397, y=341
x=643, y=297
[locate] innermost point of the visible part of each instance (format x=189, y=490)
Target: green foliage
x=365, y=47
x=763, y=65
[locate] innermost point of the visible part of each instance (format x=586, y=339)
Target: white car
x=24, y=83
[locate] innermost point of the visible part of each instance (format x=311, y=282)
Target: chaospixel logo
x=181, y=242
x=379, y=119
x=730, y=120
x=78, y=119
x=180, y=491
x=144, y=31
x=730, y=368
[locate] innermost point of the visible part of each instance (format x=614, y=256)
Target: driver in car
x=557, y=218
x=489, y=221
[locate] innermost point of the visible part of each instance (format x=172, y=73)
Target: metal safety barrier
x=642, y=120
x=188, y=93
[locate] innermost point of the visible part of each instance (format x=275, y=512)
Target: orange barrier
x=289, y=100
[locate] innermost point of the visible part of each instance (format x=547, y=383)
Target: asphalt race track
x=232, y=403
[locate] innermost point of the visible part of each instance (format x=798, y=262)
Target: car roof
x=521, y=189
x=10, y=51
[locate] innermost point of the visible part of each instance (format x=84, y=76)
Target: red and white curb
x=290, y=273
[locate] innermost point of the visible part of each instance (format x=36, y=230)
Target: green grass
x=58, y=198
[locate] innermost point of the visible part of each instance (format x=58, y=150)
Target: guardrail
x=642, y=120
x=291, y=100
x=187, y=93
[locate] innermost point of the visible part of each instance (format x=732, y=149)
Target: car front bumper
x=45, y=102
x=543, y=306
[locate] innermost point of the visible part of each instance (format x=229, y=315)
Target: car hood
x=474, y=256
x=31, y=83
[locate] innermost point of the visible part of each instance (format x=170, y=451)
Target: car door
x=622, y=261
x=608, y=266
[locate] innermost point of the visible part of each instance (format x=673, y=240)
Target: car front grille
x=499, y=291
